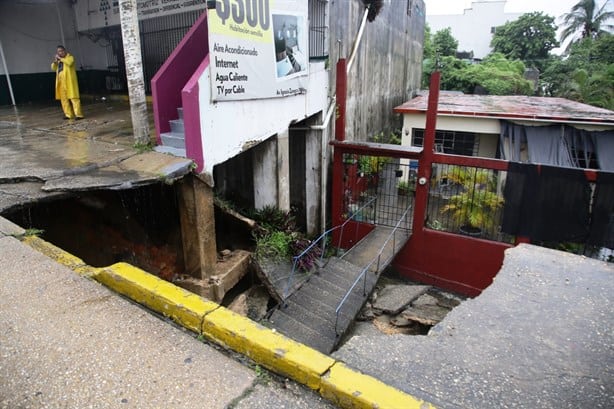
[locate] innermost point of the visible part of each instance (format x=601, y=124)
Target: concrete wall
x=30, y=32
x=472, y=29
x=388, y=66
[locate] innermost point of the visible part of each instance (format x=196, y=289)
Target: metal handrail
x=363, y=273
x=316, y=241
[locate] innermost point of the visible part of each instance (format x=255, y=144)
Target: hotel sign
x=258, y=49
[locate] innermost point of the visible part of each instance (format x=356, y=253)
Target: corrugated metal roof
x=510, y=107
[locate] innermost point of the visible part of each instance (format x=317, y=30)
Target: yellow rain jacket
x=66, y=75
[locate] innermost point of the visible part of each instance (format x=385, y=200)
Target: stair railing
x=363, y=274
x=296, y=259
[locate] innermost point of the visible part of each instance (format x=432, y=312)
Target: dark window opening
x=451, y=142
x=585, y=159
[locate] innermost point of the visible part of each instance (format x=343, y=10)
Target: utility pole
x=131, y=40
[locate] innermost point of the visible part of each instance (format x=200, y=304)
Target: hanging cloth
x=548, y=145
x=519, y=193
x=562, y=205
x=604, y=144
x=602, y=223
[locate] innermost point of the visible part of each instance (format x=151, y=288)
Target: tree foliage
x=428, y=50
x=495, y=75
x=444, y=43
x=529, y=38
x=586, y=74
x=587, y=20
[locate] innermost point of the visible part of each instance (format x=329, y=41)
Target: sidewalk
x=69, y=342
x=43, y=157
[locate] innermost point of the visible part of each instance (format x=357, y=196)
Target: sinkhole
x=140, y=226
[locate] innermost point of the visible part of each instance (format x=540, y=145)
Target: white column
x=134, y=70
x=283, y=171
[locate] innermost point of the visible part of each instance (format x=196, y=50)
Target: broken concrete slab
x=39, y=150
x=424, y=299
x=277, y=276
x=140, y=169
x=392, y=299
x=16, y=195
x=228, y=272
x=252, y=303
x=425, y=314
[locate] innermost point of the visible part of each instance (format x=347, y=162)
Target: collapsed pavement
x=43, y=157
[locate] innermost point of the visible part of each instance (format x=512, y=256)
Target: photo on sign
x=288, y=33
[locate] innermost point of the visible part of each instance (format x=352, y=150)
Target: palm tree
x=586, y=16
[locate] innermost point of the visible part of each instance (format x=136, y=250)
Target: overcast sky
x=554, y=8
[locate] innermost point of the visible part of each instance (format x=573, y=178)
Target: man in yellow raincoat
x=66, y=86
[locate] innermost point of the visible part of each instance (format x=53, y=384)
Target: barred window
x=452, y=142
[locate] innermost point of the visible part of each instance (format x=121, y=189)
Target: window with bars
x=318, y=29
x=452, y=142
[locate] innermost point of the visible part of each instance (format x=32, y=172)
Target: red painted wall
x=450, y=261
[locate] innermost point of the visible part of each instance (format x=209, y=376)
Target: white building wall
x=472, y=29
x=488, y=130
x=230, y=127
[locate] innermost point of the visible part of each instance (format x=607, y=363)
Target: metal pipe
x=57, y=9
x=323, y=125
x=357, y=40
x=6, y=72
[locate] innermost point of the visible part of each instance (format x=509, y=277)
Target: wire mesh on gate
x=467, y=200
x=390, y=181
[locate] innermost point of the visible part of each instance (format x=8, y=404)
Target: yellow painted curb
x=335, y=381
x=181, y=306
x=266, y=347
x=59, y=255
x=349, y=388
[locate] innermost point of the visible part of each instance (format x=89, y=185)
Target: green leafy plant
x=402, y=187
x=371, y=165
x=476, y=204
x=271, y=218
x=32, y=232
x=274, y=246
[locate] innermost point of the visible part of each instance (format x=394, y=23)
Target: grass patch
x=32, y=232
x=143, y=147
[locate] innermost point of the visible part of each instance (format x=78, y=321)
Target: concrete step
x=323, y=298
x=180, y=112
x=309, y=313
x=343, y=272
x=333, y=291
x=177, y=126
x=175, y=140
x=172, y=151
x=320, y=314
x=319, y=319
x=294, y=328
x=369, y=247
